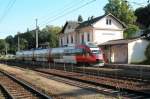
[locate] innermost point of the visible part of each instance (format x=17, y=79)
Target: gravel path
x=53, y=88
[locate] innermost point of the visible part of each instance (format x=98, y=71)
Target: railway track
x=102, y=88
x=13, y=88
x=4, y=94
x=107, y=91
x=109, y=86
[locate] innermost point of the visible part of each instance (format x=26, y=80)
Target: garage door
x=119, y=54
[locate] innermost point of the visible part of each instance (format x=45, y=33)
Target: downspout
x=127, y=53
x=110, y=54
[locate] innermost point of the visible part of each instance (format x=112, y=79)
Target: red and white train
x=90, y=54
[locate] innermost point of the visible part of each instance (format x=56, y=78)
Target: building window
x=108, y=21
x=88, y=37
x=67, y=40
x=61, y=42
x=82, y=38
x=71, y=39
x=69, y=26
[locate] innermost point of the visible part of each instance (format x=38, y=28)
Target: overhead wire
x=69, y=12
x=62, y=9
x=6, y=11
x=66, y=7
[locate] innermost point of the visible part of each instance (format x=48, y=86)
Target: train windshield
x=96, y=51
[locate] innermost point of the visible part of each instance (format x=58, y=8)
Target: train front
x=98, y=56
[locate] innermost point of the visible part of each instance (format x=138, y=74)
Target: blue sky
x=18, y=15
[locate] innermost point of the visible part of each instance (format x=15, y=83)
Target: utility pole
x=36, y=33
x=18, y=42
x=6, y=48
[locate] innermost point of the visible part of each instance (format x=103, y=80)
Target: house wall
x=99, y=32
x=69, y=28
x=85, y=31
x=101, y=24
x=64, y=39
x=101, y=36
x=136, y=50
x=105, y=32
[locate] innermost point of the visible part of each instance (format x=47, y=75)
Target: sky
x=18, y=15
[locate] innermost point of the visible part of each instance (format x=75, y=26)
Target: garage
x=125, y=51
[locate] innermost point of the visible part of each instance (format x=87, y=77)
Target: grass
x=146, y=62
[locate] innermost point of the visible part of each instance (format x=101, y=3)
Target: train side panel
x=41, y=55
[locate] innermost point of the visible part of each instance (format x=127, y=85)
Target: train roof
x=88, y=44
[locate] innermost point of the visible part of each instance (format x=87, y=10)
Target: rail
x=25, y=86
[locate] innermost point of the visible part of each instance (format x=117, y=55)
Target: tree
x=52, y=35
x=143, y=16
x=48, y=35
x=10, y=41
x=123, y=11
x=2, y=46
x=130, y=31
x=80, y=19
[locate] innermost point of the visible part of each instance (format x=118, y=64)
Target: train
x=89, y=54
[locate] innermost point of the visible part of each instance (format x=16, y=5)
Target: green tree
x=123, y=11
x=80, y=19
x=51, y=35
x=143, y=16
x=10, y=41
x=130, y=31
x=2, y=46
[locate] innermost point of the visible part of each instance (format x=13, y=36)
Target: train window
x=79, y=51
x=95, y=51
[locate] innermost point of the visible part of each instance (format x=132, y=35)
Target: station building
x=106, y=31
x=97, y=30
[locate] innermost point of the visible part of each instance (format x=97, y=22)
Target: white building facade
x=127, y=51
x=97, y=30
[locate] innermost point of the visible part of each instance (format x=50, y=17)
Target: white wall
x=64, y=38
x=85, y=37
x=102, y=24
x=105, y=32
x=136, y=50
x=100, y=32
x=101, y=36
x=69, y=28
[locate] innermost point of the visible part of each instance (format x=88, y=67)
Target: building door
x=119, y=54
